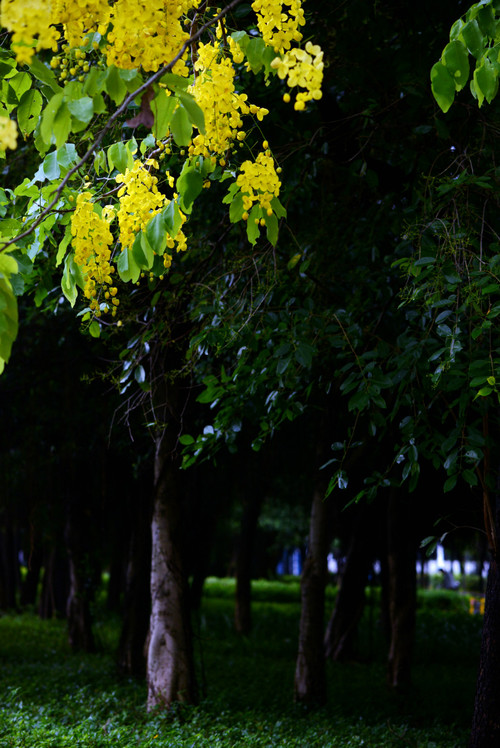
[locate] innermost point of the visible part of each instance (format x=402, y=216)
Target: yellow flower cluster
x=8, y=134
x=144, y=32
x=30, y=23
x=258, y=182
x=222, y=106
x=140, y=200
x=91, y=242
x=279, y=22
x=147, y=33
x=303, y=68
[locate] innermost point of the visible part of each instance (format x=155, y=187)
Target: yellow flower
x=8, y=134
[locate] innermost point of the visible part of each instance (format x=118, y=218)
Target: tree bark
x=401, y=592
x=310, y=671
x=81, y=581
x=170, y=665
x=340, y=636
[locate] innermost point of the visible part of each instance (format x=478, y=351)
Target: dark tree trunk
x=310, y=671
x=55, y=584
x=252, y=502
x=9, y=567
x=341, y=632
x=29, y=588
x=81, y=579
x=131, y=657
x=401, y=591
x=486, y=718
x=170, y=665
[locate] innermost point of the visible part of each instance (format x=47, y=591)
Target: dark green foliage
x=51, y=698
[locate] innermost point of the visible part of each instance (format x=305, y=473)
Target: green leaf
x=162, y=107
x=8, y=314
x=485, y=82
x=486, y=21
x=118, y=157
x=253, y=230
x=236, y=209
x=473, y=38
x=186, y=439
x=20, y=83
x=181, y=126
x=172, y=218
x=48, y=116
x=115, y=85
x=128, y=270
x=194, y=111
x=61, y=124
x=304, y=354
x=272, y=229
x=147, y=251
x=68, y=282
x=95, y=329
x=443, y=86
x=29, y=110
x=456, y=59
x=82, y=109
x=44, y=74
x=156, y=232
x=189, y=185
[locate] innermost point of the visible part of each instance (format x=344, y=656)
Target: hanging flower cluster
x=222, y=106
x=8, y=134
x=92, y=239
x=140, y=200
x=258, y=183
x=279, y=22
x=302, y=68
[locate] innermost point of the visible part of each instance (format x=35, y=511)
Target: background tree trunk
x=310, y=670
x=340, y=636
x=486, y=717
x=401, y=590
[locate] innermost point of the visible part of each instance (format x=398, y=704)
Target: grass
x=50, y=698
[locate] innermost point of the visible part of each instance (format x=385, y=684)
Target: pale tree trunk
x=170, y=664
x=310, y=670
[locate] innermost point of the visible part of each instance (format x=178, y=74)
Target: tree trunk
x=170, y=666
x=486, y=718
x=340, y=636
x=54, y=594
x=252, y=502
x=131, y=658
x=81, y=581
x=310, y=672
x=402, y=590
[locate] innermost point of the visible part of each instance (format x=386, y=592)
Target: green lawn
x=51, y=698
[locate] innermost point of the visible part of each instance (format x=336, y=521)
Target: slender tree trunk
x=340, y=636
x=170, y=666
x=310, y=672
x=402, y=591
x=55, y=584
